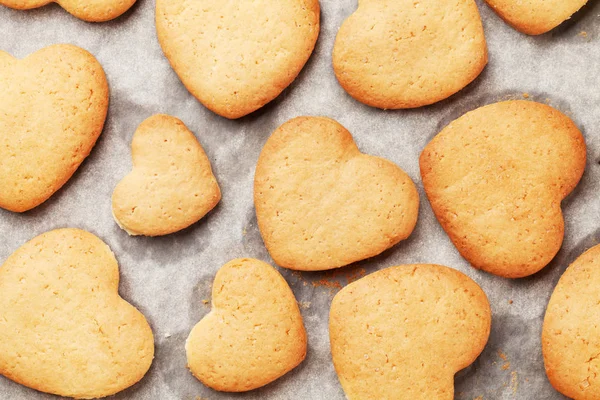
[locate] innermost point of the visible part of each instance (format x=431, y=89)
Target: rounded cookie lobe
x=571, y=331
x=236, y=56
x=254, y=333
x=65, y=330
x=394, y=54
x=495, y=178
x=535, y=17
x=404, y=332
x=87, y=10
x=322, y=204
x=54, y=103
x=171, y=185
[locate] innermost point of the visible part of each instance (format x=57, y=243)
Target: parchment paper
x=167, y=278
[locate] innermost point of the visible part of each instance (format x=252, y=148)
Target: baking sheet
x=167, y=278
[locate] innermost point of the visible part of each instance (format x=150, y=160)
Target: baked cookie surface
x=254, y=333
x=54, y=103
x=65, y=330
x=395, y=54
x=171, y=185
x=236, y=56
x=87, y=10
x=322, y=204
x=535, y=17
x=495, y=178
x=571, y=332
x=403, y=332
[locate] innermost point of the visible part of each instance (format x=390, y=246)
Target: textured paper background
x=167, y=278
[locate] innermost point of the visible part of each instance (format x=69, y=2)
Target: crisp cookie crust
x=54, y=104
x=404, y=332
x=171, y=185
x=395, y=54
x=254, y=333
x=535, y=17
x=496, y=177
x=65, y=330
x=87, y=10
x=571, y=332
x=322, y=204
x=236, y=56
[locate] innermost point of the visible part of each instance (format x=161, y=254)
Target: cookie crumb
x=478, y=398
x=205, y=302
x=304, y=305
x=525, y=95
x=506, y=366
x=502, y=355
x=510, y=301
x=583, y=34
x=514, y=382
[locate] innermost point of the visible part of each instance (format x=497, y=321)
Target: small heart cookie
x=496, y=177
x=53, y=104
x=171, y=185
x=571, y=332
x=535, y=17
x=404, y=332
x=236, y=56
x=254, y=333
x=87, y=10
x=64, y=328
x=394, y=54
x=322, y=204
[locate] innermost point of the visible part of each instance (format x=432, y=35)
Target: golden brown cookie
x=53, y=104
x=403, y=332
x=87, y=10
x=64, y=328
x=254, y=333
x=535, y=17
x=571, y=332
x=395, y=54
x=171, y=185
x=322, y=204
x=236, y=56
x=496, y=177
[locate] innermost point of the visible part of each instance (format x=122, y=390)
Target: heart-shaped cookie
x=171, y=185
x=322, y=204
x=254, y=333
x=236, y=56
x=395, y=54
x=403, y=332
x=87, y=10
x=535, y=17
x=53, y=104
x=496, y=177
x=64, y=329
x=571, y=332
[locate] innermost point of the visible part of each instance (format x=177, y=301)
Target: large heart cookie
x=254, y=333
x=403, y=53
x=535, y=17
x=403, y=332
x=496, y=177
x=171, y=185
x=236, y=56
x=322, y=204
x=64, y=329
x=87, y=10
x=53, y=106
x=571, y=332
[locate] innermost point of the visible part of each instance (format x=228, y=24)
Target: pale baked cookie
x=87, y=10
x=396, y=54
x=65, y=330
x=53, y=104
x=171, y=185
x=254, y=333
x=322, y=204
x=236, y=56
x=496, y=177
x=535, y=17
x=571, y=332
x=403, y=332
